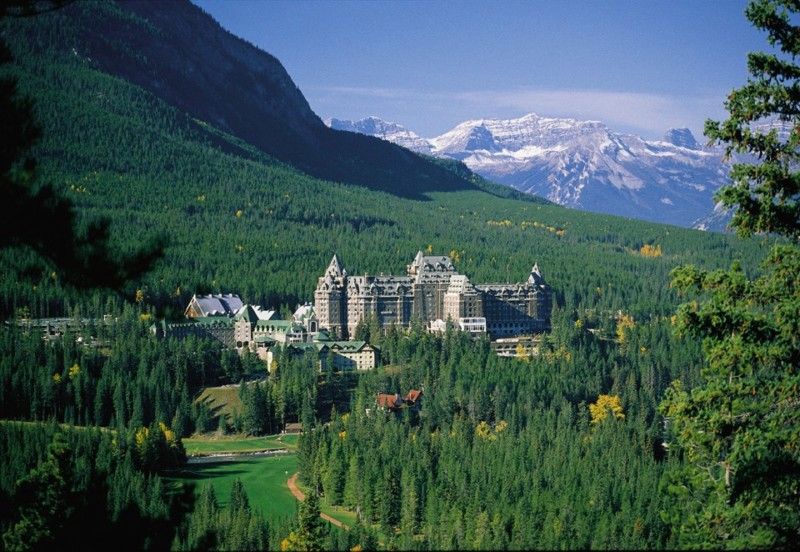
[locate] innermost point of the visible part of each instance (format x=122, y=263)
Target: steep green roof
x=248, y=314
x=276, y=323
x=214, y=321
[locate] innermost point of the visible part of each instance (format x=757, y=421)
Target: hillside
x=128, y=136
x=176, y=51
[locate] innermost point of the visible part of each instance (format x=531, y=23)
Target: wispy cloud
x=642, y=113
x=645, y=112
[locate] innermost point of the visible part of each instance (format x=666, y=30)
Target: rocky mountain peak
x=585, y=165
x=681, y=137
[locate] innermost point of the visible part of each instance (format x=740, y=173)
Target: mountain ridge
x=582, y=164
x=179, y=53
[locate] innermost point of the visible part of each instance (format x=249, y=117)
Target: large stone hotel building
x=432, y=292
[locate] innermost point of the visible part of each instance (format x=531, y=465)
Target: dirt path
x=299, y=496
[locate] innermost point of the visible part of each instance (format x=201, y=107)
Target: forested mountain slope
x=177, y=52
x=237, y=219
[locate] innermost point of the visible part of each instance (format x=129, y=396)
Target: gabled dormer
x=248, y=314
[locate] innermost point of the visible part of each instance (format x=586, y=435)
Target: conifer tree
x=310, y=533
x=740, y=427
x=44, y=505
x=203, y=522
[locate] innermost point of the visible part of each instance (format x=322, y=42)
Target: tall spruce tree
x=310, y=533
x=740, y=428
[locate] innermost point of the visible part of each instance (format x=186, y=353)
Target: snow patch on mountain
x=392, y=132
x=580, y=164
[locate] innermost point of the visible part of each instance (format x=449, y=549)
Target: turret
x=536, y=276
x=335, y=268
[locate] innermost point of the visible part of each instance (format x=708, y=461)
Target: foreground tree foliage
x=740, y=429
x=57, y=482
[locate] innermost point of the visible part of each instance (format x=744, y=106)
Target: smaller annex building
x=227, y=319
x=344, y=356
x=202, y=306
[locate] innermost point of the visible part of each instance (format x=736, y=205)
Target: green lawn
x=199, y=446
x=264, y=480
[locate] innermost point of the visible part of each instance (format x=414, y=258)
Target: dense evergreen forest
x=239, y=221
x=562, y=449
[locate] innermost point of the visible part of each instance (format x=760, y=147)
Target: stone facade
x=432, y=290
x=344, y=356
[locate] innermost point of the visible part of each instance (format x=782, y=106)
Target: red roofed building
x=394, y=402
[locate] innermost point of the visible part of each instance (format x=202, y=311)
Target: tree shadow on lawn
x=204, y=471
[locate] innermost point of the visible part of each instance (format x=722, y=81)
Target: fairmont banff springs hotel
x=432, y=292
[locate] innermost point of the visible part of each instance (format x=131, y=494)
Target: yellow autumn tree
x=169, y=435
x=648, y=250
x=605, y=404
x=484, y=431
x=624, y=324
x=455, y=256
x=141, y=441
x=522, y=353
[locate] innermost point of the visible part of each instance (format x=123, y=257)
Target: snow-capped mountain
x=580, y=164
x=372, y=126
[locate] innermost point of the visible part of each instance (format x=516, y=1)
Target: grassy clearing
x=213, y=444
x=222, y=401
x=264, y=480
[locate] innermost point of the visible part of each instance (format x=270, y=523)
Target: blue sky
x=639, y=66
